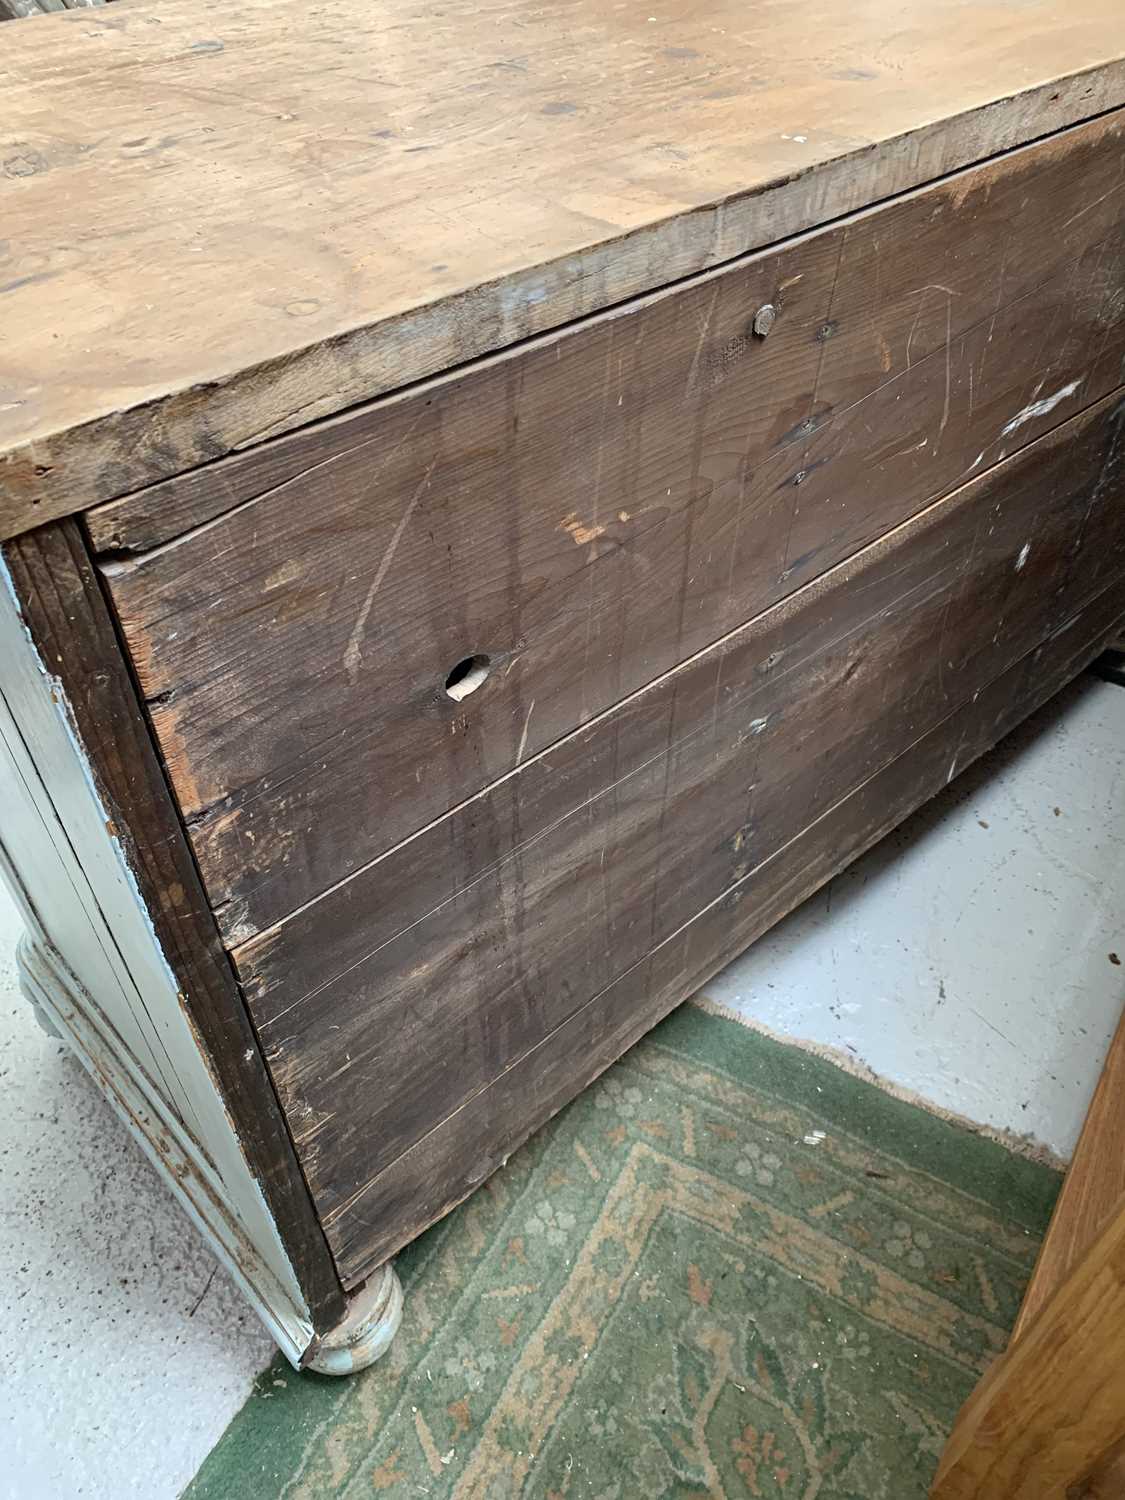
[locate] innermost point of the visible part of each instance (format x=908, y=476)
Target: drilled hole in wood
x=466, y=677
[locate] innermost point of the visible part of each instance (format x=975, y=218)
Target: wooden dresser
x=497, y=506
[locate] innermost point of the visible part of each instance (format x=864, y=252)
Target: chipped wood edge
x=63, y=859
x=72, y=636
x=130, y=529
x=64, y=864
x=60, y=472
x=365, y=1335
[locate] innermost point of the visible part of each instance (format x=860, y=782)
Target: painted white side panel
x=129, y=1348
x=72, y=874
x=37, y=844
x=966, y=957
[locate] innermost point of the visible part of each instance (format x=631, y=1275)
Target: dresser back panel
x=396, y=998
x=577, y=516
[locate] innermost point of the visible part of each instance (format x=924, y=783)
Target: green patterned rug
x=729, y=1269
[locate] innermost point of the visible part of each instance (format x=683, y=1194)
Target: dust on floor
x=727, y=1269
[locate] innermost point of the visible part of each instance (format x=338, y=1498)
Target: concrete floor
x=128, y=1349
x=966, y=958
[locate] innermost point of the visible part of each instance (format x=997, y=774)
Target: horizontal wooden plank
x=591, y=509
x=398, y=995
x=464, y=1149
x=145, y=519
x=225, y=218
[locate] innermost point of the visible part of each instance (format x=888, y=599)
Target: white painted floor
x=127, y=1350
x=966, y=957
x=967, y=962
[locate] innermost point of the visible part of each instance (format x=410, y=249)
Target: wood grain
x=979, y=235
x=62, y=604
x=591, y=509
x=1055, y=1403
x=1094, y=1186
x=464, y=1149
x=226, y=218
x=403, y=992
x=14, y=10
x=1106, y=1481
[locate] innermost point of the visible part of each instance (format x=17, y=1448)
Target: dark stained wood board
x=147, y=518
x=590, y=509
x=464, y=1149
x=412, y=986
x=64, y=609
x=224, y=219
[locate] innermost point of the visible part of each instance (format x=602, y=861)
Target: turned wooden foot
x=365, y=1335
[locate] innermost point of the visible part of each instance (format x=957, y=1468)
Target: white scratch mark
x=1116, y=188
x=353, y=651
x=1025, y=552
x=523, y=736
x=1040, y=408
x=952, y=771
x=948, y=356
x=914, y=448
x=933, y=287
x=704, y=330
x=913, y=330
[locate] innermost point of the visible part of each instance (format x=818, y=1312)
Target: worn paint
x=137, y=991
x=581, y=533
x=1040, y=408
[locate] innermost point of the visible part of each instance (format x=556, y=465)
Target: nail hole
x=466, y=677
